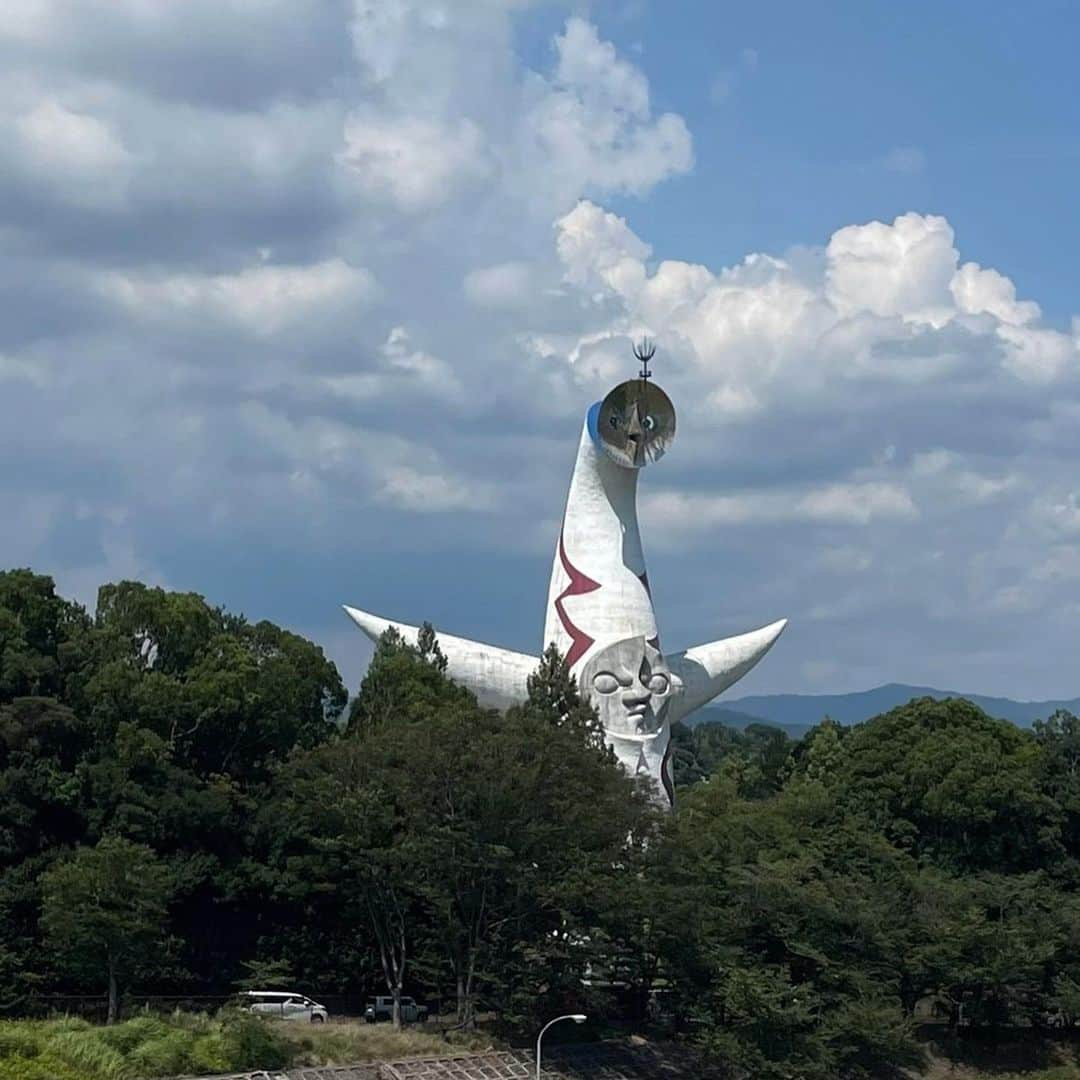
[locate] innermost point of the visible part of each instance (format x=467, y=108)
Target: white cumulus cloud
x=324, y=290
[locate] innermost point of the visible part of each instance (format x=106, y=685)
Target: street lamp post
x=578, y=1018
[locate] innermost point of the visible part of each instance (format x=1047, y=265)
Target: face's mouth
x=641, y=717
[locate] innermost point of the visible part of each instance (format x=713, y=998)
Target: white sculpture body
x=599, y=608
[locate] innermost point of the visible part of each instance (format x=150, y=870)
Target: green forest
x=191, y=803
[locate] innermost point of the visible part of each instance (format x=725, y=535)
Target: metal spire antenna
x=644, y=351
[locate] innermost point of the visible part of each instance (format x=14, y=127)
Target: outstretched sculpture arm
x=496, y=676
x=707, y=670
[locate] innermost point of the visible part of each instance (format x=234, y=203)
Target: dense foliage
x=146, y=1046
x=185, y=807
x=190, y=1043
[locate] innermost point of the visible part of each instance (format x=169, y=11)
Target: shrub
x=20, y=1039
x=126, y=1036
x=167, y=1054
x=146, y=1046
x=209, y=1054
x=252, y=1043
x=43, y=1067
x=87, y=1053
x=872, y=1039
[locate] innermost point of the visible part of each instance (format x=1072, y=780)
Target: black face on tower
x=636, y=423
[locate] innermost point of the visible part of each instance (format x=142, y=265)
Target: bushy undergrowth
x=150, y=1046
x=144, y=1047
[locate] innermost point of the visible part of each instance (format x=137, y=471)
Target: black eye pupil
x=614, y=421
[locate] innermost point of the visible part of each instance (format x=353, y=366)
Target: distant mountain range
x=797, y=713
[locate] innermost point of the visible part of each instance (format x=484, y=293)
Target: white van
x=284, y=1004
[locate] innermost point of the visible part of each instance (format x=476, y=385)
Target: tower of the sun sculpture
x=599, y=607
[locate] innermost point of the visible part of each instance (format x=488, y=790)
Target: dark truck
x=382, y=1008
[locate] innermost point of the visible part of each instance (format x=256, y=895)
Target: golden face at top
x=636, y=423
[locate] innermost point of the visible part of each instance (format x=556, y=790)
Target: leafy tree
x=507, y=843
x=266, y=975
x=763, y=1024
x=41, y=744
x=190, y=710
x=45, y=654
x=428, y=645
x=798, y=920
x=347, y=804
x=820, y=754
x=948, y=782
x=770, y=751
x=225, y=695
x=22, y=972
x=466, y=837
x=760, y=755
x=104, y=910
x=346, y=833
x=799, y=906
x=554, y=698
x=1059, y=771
x=697, y=752
x=43, y=638
x=403, y=684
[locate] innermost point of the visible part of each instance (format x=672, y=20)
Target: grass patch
x=343, y=1043
x=1033, y=1058
x=147, y=1047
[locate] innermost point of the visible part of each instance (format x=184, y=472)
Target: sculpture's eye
x=658, y=684
x=605, y=683
x=650, y=423
x=614, y=421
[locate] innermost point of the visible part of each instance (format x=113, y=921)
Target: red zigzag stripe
x=579, y=585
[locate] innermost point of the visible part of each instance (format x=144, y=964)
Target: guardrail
x=95, y=1006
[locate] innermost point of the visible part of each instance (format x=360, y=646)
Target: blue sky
x=303, y=302
x=810, y=134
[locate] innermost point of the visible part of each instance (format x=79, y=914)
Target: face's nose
x=636, y=695
x=635, y=433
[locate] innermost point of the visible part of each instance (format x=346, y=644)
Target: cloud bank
x=304, y=302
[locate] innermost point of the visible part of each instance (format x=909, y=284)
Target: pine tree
x=553, y=694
